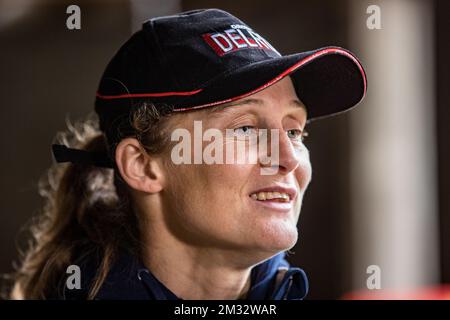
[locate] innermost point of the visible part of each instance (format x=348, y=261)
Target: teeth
x=261, y=196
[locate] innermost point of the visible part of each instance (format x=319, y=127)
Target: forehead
x=293, y=105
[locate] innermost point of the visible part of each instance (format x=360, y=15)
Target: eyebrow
x=222, y=107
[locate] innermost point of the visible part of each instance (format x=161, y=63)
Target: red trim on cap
x=143, y=95
x=288, y=71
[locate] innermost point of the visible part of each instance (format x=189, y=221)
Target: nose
x=281, y=156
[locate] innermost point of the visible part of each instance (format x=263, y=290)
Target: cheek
x=303, y=173
x=212, y=193
x=225, y=189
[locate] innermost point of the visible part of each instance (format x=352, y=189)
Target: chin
x=278, y=238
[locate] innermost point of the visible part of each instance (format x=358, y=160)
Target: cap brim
x=328, y=81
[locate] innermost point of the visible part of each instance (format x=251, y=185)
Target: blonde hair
x=86, y=208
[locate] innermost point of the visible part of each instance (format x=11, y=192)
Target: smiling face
x=222, y=205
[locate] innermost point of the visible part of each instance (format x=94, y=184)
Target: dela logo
x=237, y=37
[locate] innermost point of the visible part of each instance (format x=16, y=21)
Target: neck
x=197, y=273
x=192, y=272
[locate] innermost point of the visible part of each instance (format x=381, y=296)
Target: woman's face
x=218, y=205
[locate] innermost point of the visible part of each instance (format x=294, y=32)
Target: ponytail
x=86, y=209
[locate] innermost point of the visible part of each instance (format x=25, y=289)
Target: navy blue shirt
x=128, y=279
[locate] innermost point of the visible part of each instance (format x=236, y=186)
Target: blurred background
x=379, y=198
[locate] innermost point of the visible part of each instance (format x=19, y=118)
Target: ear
x=140, y=170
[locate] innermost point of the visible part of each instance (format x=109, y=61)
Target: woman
x=147, y=209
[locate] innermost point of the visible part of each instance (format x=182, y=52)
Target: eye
x=245, y=131
x=297, y=134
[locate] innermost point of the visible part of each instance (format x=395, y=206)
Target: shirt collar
x=129, y=279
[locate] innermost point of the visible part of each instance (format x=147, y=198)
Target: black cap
x=202, y=58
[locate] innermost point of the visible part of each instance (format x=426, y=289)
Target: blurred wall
x=393, y=156
x=47, y=73
x=442, y=69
